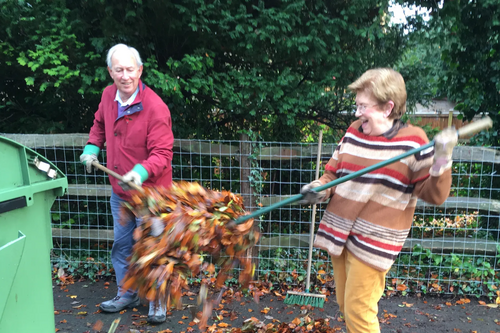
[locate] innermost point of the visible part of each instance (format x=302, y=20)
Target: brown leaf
x=98, y=325
x=401, y=287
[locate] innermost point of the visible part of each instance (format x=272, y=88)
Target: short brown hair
x=385, y=84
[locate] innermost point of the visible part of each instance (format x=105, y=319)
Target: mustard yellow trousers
x=359, y=287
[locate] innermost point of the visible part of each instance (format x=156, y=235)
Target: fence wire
x=453, y=248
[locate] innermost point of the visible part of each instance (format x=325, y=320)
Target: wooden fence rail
x=268, y=152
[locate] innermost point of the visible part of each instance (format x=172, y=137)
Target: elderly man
x=136, y=126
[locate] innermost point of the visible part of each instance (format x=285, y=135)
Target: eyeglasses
x=362, y=108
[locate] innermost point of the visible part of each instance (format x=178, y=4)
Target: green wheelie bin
x=29, y=185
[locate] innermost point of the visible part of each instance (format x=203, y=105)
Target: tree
x=470, y=52
x=275, y=67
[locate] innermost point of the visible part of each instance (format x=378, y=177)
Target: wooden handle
x=101, y=167
x=313, y=217
x=475, y=127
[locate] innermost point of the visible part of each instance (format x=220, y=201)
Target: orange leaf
x=223, y=325
x=401, y=287
x=98, y=325
x=296, y=321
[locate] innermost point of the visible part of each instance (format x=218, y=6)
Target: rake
x=306, y=297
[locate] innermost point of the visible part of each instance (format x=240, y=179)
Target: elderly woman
x=368, y=218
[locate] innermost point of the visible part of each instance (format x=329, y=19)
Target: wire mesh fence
x=453, y=248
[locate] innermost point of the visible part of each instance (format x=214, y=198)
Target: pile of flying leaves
x=180, y=224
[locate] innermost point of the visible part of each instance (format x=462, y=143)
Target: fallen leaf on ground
x=98, y=325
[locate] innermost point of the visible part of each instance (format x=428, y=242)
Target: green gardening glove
x=89, y=155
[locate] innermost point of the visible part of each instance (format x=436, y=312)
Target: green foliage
x=420, y=64
x=471, y=54
x=44, y=63
x=426, y=271
x=462, y=225
x=279, y=68
x=277, y=266
x=83, y=265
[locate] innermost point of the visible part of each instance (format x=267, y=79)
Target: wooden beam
x=466, y=154
x=274, y=153
x=441, y=244
x=49, y=140
x=78, y=140
x=464, y=203
x=91, y=235
x=88, y=190
x=481, y=204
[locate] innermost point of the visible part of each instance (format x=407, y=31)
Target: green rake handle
x=467, y=130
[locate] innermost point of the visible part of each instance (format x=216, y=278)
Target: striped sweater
x=371, y=215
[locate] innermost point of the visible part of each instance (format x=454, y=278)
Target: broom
x=307, y=298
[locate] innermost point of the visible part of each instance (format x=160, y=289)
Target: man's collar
x=129, y=101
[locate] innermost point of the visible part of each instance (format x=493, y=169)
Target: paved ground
x=76, y=311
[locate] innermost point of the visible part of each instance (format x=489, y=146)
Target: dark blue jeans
x=123, y=241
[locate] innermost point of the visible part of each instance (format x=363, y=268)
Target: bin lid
x=23, y=168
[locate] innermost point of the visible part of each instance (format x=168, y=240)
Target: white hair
x=121, y=48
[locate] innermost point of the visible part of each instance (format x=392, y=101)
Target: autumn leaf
x=401, y=287
x=492, y=306
x=223, y=325
x=98, y=325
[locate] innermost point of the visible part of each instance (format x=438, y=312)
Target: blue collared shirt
x=122, y=107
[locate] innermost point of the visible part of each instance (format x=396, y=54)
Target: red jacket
x=142, y=136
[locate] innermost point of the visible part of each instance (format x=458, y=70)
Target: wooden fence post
x=246, y=188
x=245, y=168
